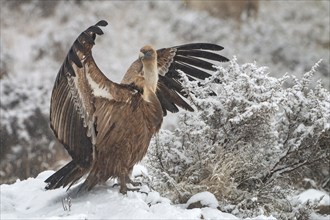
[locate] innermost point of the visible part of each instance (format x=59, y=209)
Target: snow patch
x=139, y=170
x=314, y=195
x=28, y=199
x=205, y=198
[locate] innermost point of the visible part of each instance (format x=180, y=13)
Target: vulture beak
x=141, y=56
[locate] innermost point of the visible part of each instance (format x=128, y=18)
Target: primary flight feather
x=106, y=127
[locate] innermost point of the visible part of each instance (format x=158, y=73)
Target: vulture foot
x=128, y=180
x=124, y=179
x=123, y=190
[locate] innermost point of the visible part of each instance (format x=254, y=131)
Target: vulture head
x=148, y=53
x=148, y=57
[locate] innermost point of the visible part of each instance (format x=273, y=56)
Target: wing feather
x=191, y=70
x=196, y=60
x=200, y=46
x=169, y=98
x=74, y=57
x=174, y=84
x=202, y=54
x=72, y=109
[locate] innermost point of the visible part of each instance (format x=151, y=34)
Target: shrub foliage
x=250, y=142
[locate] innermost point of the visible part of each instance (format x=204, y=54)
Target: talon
x=133, y=189
x=115, y=185
x=137, y=184
x=128, y=180
x=124, y=179
x=143, y=192
x=123, y=190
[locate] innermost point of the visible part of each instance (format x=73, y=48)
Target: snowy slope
x=27, y=199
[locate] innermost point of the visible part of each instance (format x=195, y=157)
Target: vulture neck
x=150, y=73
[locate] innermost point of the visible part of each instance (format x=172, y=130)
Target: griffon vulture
x=106, y=127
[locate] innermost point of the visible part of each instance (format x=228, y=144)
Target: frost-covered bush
x=249, y=142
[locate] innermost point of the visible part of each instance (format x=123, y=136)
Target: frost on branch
x=250, y=138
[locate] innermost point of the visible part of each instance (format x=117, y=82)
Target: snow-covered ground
x=27, y=199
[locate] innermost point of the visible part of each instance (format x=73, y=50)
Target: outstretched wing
x=78, y=83
x=71, y=110
x=196, y=60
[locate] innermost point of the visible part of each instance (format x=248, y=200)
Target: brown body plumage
x=107, y=127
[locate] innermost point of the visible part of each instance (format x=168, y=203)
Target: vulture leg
x=123, y=186
x=128, y=180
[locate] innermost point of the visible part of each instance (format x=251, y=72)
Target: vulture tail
x=69, y=174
